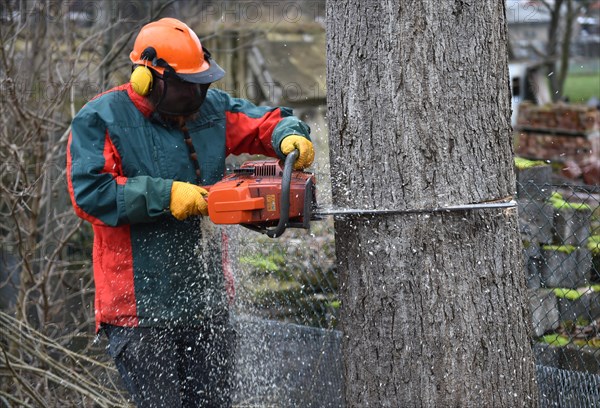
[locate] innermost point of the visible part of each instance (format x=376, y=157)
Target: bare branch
x=32, y=393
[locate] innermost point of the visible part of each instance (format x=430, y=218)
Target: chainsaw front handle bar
x=284, y=203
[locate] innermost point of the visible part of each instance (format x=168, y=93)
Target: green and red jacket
x=149, y=268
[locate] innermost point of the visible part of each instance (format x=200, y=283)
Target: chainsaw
x=268, y=197
x=264, y=196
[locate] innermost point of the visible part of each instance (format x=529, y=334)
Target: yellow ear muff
x=141, y=80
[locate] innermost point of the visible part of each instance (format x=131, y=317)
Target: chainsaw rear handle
x=284, y=205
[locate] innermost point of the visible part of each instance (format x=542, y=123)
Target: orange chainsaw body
x=252, y=196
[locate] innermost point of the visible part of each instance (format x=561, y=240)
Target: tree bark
x=433, y=304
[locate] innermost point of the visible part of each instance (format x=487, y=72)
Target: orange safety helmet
x=169, y=44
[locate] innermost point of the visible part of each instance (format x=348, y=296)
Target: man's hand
x=187, y=199
x=304, y=146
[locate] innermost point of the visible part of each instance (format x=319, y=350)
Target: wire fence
x=292, y=279
x=287, y=365
x=560, y=231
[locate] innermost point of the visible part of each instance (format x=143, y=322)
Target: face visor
x=176, y=97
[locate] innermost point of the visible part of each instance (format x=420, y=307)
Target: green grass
x=579, y=88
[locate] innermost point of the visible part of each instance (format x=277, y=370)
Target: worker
x=137, y=158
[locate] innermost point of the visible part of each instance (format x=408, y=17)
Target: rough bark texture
x=433, y=305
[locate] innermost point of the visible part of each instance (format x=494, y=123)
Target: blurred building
x=528, y=24
x=587, y=41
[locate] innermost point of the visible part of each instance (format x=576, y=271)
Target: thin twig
x=18, y=378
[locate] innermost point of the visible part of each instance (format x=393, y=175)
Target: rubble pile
x=562, y=133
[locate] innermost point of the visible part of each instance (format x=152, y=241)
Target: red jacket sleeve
x=258, y=129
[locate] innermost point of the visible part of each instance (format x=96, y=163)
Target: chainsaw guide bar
x=356, y=212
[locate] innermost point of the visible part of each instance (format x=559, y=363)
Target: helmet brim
x=212, y=74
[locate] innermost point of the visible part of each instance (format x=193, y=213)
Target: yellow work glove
x=304, y=146
x=187, y=199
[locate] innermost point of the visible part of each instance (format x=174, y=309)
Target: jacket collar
x=141, y=102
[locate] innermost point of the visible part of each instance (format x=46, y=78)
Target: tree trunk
x=433, y=304
x=565, y=55
x=553, y=46
x=572, y=13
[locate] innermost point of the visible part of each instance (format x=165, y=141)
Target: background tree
x=433, y=304
x=563, y=15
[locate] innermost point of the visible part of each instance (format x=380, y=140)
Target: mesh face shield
x=172, y=96
x=181, y=98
